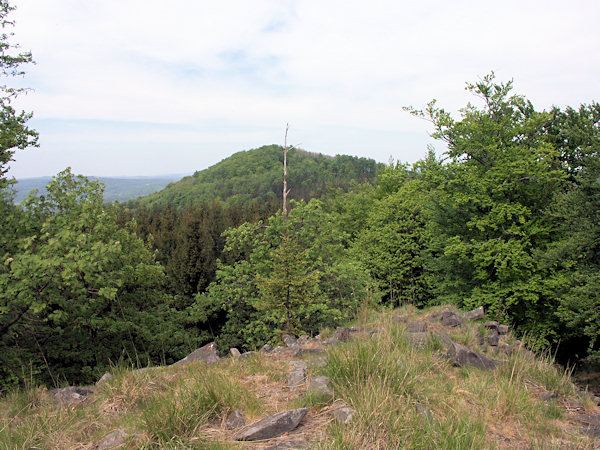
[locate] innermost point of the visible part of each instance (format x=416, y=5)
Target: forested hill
x=256, y=175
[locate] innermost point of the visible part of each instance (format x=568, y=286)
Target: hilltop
x=404, y=378
x=256, y=174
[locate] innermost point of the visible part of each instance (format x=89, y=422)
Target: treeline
x=507, y=219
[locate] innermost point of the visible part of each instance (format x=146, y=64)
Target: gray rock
x=342, y=334
x=289, y=340
x=112, y=440
x=548, y=396
x=591, y=424
x=321, y=385
x=491, y=324
x=311, y=351
x=209, y=354
x=424, y=412
x=505, y=348
x=235, y=353
x=399, y=319
x=72, y=394
x=297, y=376
x=274, y=425
x=247, y=355
x=344, y=415
x=419, y=340
x=449, y=318
x=480, y=339
x=235, y=420
x=318, y=362
x=460, y=356
x=267, y=348
x=303, y=339
x=417, y=326
x=474, y=314
x=503, y=329
x=493, y=337
x=104, y=378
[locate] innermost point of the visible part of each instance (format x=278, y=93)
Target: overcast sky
x=146, y=87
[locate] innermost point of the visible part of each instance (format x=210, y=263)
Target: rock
x=480, y=339
x=460, y=356
x=449, y=318
x=399, y=319
x=310, y=351
x=302, y=340
x=209, y=354
x=492, y=325
x=493, y=337
x=505, y=348
x=112, y=440
x=296, y=444
x=548, y=396
x=321, y=385
x=318, y=362
x=344, y=415
x=72, y=394
x=104, y=378
x=418, y=340
x=503, y=329
x=474, y=314
x=274, y=425
x=266, y=348
x=591, y=425
x=235, y=420
x=247, y=355
x=424, y=412
x=235, y=353
x=289, y=340
x=417, y=326
x=596, y=400
x=342, y=334
x=297, y=376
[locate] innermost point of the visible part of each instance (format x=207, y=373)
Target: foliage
x=80, y=291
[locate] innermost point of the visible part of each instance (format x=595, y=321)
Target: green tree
x=14, y=132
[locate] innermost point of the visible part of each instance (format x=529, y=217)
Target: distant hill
x=257, y=175
x=120, y=189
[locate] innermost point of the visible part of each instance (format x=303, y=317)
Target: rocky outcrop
x=289, y=340
x=208, y=354
x=72, y=394
x=474, y=314
x=273, y=426
x=460, y=356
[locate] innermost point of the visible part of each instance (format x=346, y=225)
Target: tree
x=14, y=132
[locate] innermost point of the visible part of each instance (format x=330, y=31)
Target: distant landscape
x=119, y=189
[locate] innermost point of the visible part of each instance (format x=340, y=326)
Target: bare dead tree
x=285, y=189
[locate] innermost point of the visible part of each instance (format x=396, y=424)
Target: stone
x=289, y=340
x=208, y=354
x=112, y=440
x=417, y=326
x=72, y=394
x=321, y=385
x=590, y=424
x=474, y=314
x=235, y=353
x=104, y=378
x=318, y=362
x=505, y=348
x=460, y=356
x=548, y=396
x=503, y=329
x=266, y=348
x=302, y=340
x=449, y=318
x=247, y=355
x=480, y=339
x=297, y=376
x=344, y=415
x=419, y=340
x=273, y=426
x=342, y=334
x=399, y=319
x=424, y=412
x=491, y=324
x=295, y=445
x=493, y=337
x=235, y=420
x=310, y=351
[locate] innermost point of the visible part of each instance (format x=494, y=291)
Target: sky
x=148, y=87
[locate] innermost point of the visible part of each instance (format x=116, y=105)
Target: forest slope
x=256, y=175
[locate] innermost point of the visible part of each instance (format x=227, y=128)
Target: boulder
x=493, y=337
x=302, y=340
x=72, y=394
x=417, y=326
x=273, y=426
x=112, y=440
x=342, y=334
x=235, y=353
x=247, y=355
x=493, y=325
x=418, y=340
x=548, y=396
x=267, y=348
x=480, y=339
x=321, y=385
x=505, y=348
x=449, y=318
x=297, y=376
x=235, y=420
x=503, y=329
x=289, y=340
x=460, y=356
x=310, y=351
x=474, y=314
x=344, y=415
x=209, y=354
x=104, y=378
